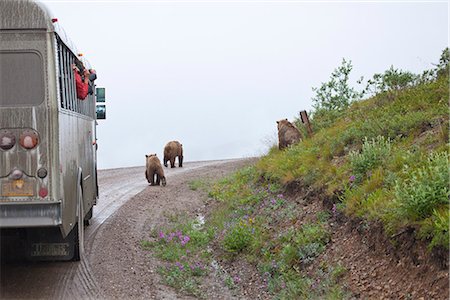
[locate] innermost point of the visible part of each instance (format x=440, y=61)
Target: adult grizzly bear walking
x=154, y=169
x=288, y=134
x=171, y=151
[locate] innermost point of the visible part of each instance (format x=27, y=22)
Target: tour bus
x=48, y=160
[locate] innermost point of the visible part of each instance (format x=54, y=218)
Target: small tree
x=334, y=96
x=391, y=80
x=443, y=66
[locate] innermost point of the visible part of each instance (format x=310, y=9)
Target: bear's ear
x=278, y=122
x=146, y=155
x=286, y=119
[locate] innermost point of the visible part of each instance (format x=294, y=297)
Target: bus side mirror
x=100, y=108
x=100, y=94
x=101, y=111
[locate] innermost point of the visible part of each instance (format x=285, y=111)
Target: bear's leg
x=180, y=161
x=172, y=162
x=157, y=179
x=146, y=176
x=161, y=177
x=165, y=162
x=152, y=179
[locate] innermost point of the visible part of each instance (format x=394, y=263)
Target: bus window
x=20, y=70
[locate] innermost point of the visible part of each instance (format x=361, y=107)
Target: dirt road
x=115, y=265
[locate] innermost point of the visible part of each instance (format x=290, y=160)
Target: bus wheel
x=79, y=234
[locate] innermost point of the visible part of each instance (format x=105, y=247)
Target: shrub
x=423, y=189
x=373, y=154
x=390, y=80
x=436, y=228
x=238, y=237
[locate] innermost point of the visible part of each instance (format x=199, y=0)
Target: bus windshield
x=22, y=79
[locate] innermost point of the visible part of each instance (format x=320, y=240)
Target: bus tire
x=79, y=233
x=88, y=216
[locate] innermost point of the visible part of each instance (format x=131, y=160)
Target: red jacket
x=82, y=88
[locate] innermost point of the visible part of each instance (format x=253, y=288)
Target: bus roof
x=28, y=14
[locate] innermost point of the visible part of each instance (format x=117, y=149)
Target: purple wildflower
x=179, y=265
x=170, y=237
x=273, y=201
x=184, y=240
x=280, y=196
x=161, y=235
x=236, y=279
x=352, y=178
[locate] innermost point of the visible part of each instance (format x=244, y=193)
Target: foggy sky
x=217, y=75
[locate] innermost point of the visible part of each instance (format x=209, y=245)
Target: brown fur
x=171, y=151
x=154, y=169
x=288, y=134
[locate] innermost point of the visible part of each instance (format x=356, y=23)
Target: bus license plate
x=50, y=249
x=17, y=188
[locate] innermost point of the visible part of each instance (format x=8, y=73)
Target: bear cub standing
x=154, y=169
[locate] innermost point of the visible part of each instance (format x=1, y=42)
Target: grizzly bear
x=154, y=169
x=171, y=151
x=288, y=134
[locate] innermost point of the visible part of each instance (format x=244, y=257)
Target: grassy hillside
x=385, y=159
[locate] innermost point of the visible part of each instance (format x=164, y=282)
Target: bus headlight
x=7, y=139
x=29, y=139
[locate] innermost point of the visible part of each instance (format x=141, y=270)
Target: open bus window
x=22, y=78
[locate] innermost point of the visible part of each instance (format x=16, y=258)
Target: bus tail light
x=7, y=140
x=29, y=139
x=43, y=192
